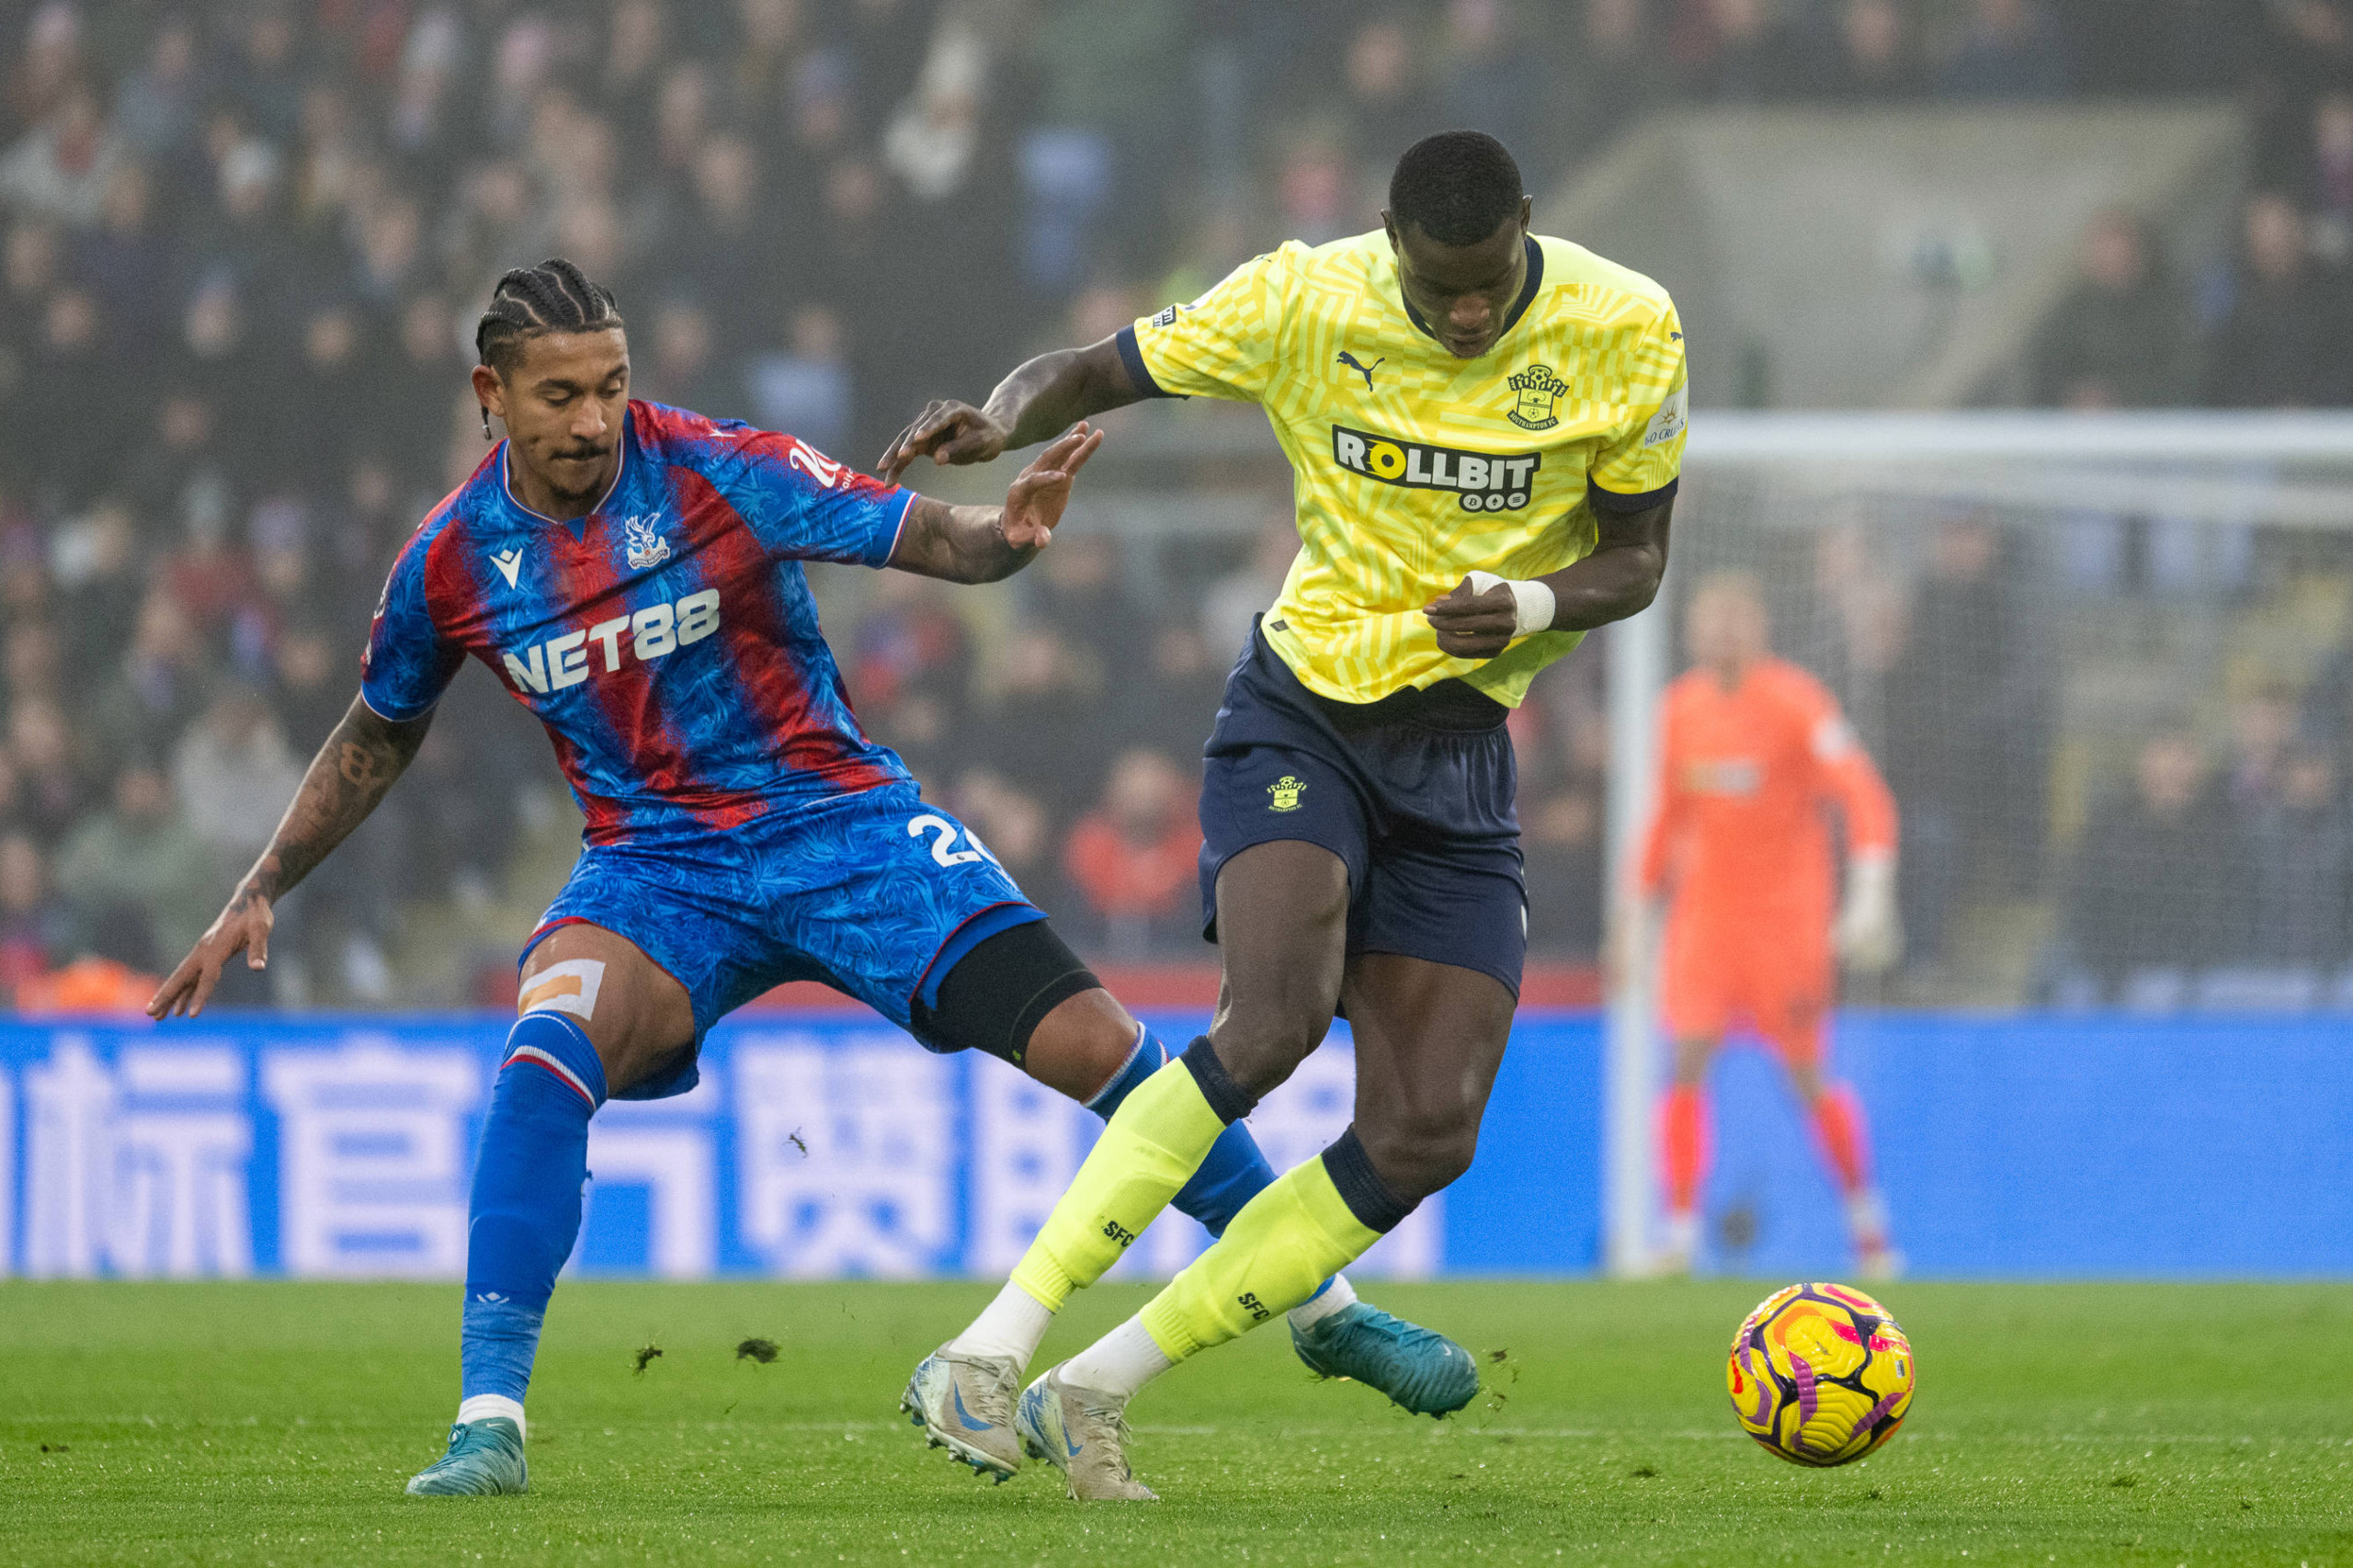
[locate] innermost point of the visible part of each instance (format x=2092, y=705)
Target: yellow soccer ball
x=1820, y=1374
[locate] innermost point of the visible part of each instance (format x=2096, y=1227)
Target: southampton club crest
x=1285, y=793
x=644, y=543
x=1538, y=390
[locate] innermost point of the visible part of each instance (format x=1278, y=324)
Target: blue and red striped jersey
x=667, y=640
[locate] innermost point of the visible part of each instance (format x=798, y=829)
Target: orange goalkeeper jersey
x=1737, y=832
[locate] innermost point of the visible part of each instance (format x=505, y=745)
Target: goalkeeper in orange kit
x=1739, y=851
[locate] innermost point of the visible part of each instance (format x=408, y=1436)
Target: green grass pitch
x=274, y=1424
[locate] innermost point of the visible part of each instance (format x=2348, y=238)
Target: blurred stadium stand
x=245, y=243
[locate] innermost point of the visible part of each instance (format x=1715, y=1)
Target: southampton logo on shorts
x=644, y=545
x=1285, y=792
x=1486, y=482
x=1538, y=390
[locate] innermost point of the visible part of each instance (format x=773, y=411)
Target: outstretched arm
x=982, y=544
x=1041, y=396
x=1618, y=579
x=350, y=774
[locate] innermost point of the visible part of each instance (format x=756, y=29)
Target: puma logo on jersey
x=509, y=564
x=1365, y=370
x=650, y=633
x=1486, y=482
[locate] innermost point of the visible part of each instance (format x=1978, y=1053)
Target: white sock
x=1338, y=1295
x=1683, y=1235
x=1867, y=1218
x=1010, y=1325
x=1119, y=1363
x=483, y=1406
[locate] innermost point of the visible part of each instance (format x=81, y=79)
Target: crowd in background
x=243, y=244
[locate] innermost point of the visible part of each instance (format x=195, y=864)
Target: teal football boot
x=485, y=1459
x=1420, y=1370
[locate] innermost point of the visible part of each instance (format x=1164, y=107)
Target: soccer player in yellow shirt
x=1485, y=427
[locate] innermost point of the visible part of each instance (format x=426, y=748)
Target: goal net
x=2102, y=663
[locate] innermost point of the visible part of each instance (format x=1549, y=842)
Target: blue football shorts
x=875, y=894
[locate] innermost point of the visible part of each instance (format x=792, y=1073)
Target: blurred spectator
x=233, y=774
x=1078, y=590
x=35, y=926
x=2330, y=184
x=2159, y=881
x=2263, y=725
x=1737, y=51
x=1965, y=743
x=156, y=689
x=683, y=369
x=1040, y=733
x=1388, y=107
x=805, y=388
x=79, y=387
x=1877, y=56
x=50, y=785
x=2302, y=847
x=156, y=106
x=143, y=886
x=1134, y=858
x=95, y=560
x=1562, y=840
x=2286, y=342
x=1171, y=709
x=61, y=170
x=2008, y=50
x=2122, y=338
x=127, y=263
x=1610, y=78
x=1234, y=603
x=1493, y=77
x=1011, y=823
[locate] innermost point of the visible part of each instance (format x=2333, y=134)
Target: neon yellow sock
x=1286, y=1242
x=1152, y=1144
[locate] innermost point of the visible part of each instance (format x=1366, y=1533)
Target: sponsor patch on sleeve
x=1672, y=415
x=1166, y=318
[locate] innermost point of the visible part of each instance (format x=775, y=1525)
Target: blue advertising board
x=826, y=1146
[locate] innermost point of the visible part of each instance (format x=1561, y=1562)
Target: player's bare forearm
x=984, y=544
x=956, y=544
x=1047, y=395
x=345, y=782
x=1042, y=398
x=1619, y=578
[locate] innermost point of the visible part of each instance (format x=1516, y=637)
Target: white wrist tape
x=1531, y=601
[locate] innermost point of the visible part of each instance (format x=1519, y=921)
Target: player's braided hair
x=1457, y=187
x=532, y=301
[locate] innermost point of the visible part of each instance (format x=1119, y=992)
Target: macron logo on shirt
x=510, y=563
x=652, y=632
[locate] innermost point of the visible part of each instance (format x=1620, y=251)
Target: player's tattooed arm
x=345, y=782
x=1040, y=397
x=1618, y=579
x=984, y=544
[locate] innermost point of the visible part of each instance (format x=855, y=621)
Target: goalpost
x=2021, y=612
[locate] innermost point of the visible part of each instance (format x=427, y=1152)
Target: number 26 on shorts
x=943, y=833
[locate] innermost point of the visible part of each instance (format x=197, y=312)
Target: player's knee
x=1260, y=1052
x=1081, y=1044
x=1420, y=1150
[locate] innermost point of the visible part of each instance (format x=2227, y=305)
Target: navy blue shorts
x=1413, y=792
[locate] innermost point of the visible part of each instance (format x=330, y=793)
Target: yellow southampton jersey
x=1412, y=468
